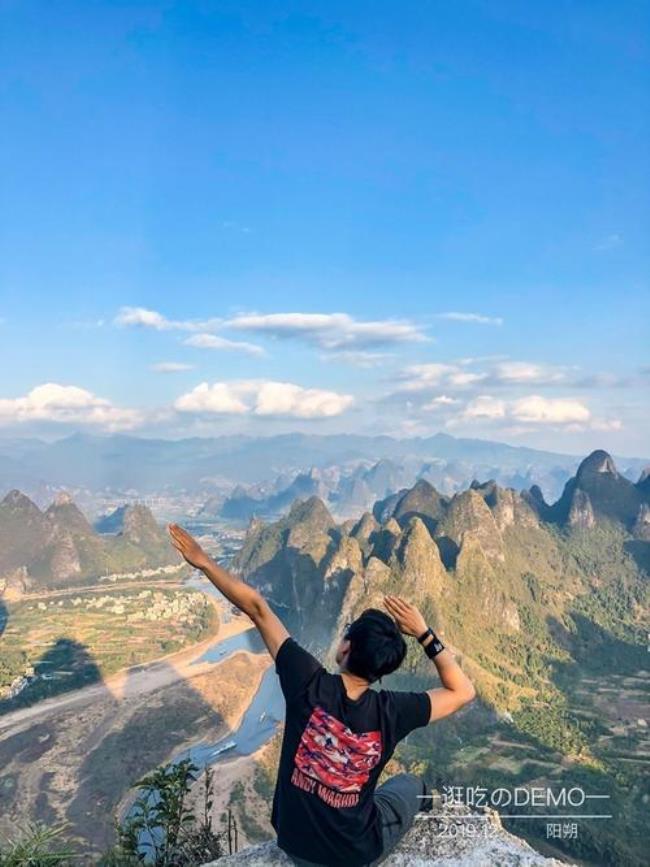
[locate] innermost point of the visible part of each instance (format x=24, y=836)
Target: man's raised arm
x=242, y=595
x=457, y=689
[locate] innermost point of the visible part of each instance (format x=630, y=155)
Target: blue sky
x=253, y=216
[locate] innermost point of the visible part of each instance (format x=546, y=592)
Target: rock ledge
x=454, y=837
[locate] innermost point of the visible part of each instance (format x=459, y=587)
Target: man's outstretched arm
x=242, y=595
x=457, y=689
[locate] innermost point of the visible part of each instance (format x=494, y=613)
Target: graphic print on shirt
x=334, y=762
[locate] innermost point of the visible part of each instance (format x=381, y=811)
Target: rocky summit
x=598, y=490
x=431, y=842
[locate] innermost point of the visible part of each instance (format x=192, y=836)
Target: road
x=109, y=587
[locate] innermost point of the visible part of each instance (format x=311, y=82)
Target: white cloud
x=171, y=367
x=481, y=359
x=513, y=372
x=69, y=404
x=478, y=318
x=338, y=333
x=439, y=402
x=419, y=377
x=358, y=358
x=285, y=398
x=330, y=331
x=463, y=378
x=485, y=406
x=145, y=318
x=536, y=409
x=220, y=397
x=214, y=341
x=424, y=377
x=607, y=424
x=533, y=411
x=460, y=375
x=263, y=398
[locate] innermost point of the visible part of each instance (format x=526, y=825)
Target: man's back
x=333, y=751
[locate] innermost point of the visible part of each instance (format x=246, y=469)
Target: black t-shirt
x=333, y=751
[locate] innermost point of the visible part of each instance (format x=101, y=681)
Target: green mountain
x=58, y=547
x=599, y=491
x=546, y=605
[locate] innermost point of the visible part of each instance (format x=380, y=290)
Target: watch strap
x=434, y=647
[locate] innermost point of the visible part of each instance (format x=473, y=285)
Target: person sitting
x=328, y=810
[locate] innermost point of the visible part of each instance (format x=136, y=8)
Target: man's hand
x=456, y=689
x=242, y=595
x=188, y=547
x=408, y=617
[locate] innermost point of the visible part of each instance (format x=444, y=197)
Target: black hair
x=376, y=645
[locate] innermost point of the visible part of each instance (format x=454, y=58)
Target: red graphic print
x=334, y=755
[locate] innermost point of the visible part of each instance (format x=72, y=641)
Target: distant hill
x=348, y=491
x=546, y=604
x=58, y=547
x=243, y=504
x=121, y=463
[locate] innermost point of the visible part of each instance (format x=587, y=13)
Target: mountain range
x=217, y=464
x=462, y=534
x=350, y=490
x=59, y=547
x=346, y=491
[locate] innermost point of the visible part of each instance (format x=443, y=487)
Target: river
x=263, y=715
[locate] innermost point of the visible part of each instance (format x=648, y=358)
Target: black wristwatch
x=435, y=646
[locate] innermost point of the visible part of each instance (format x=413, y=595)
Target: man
x=338, y=732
